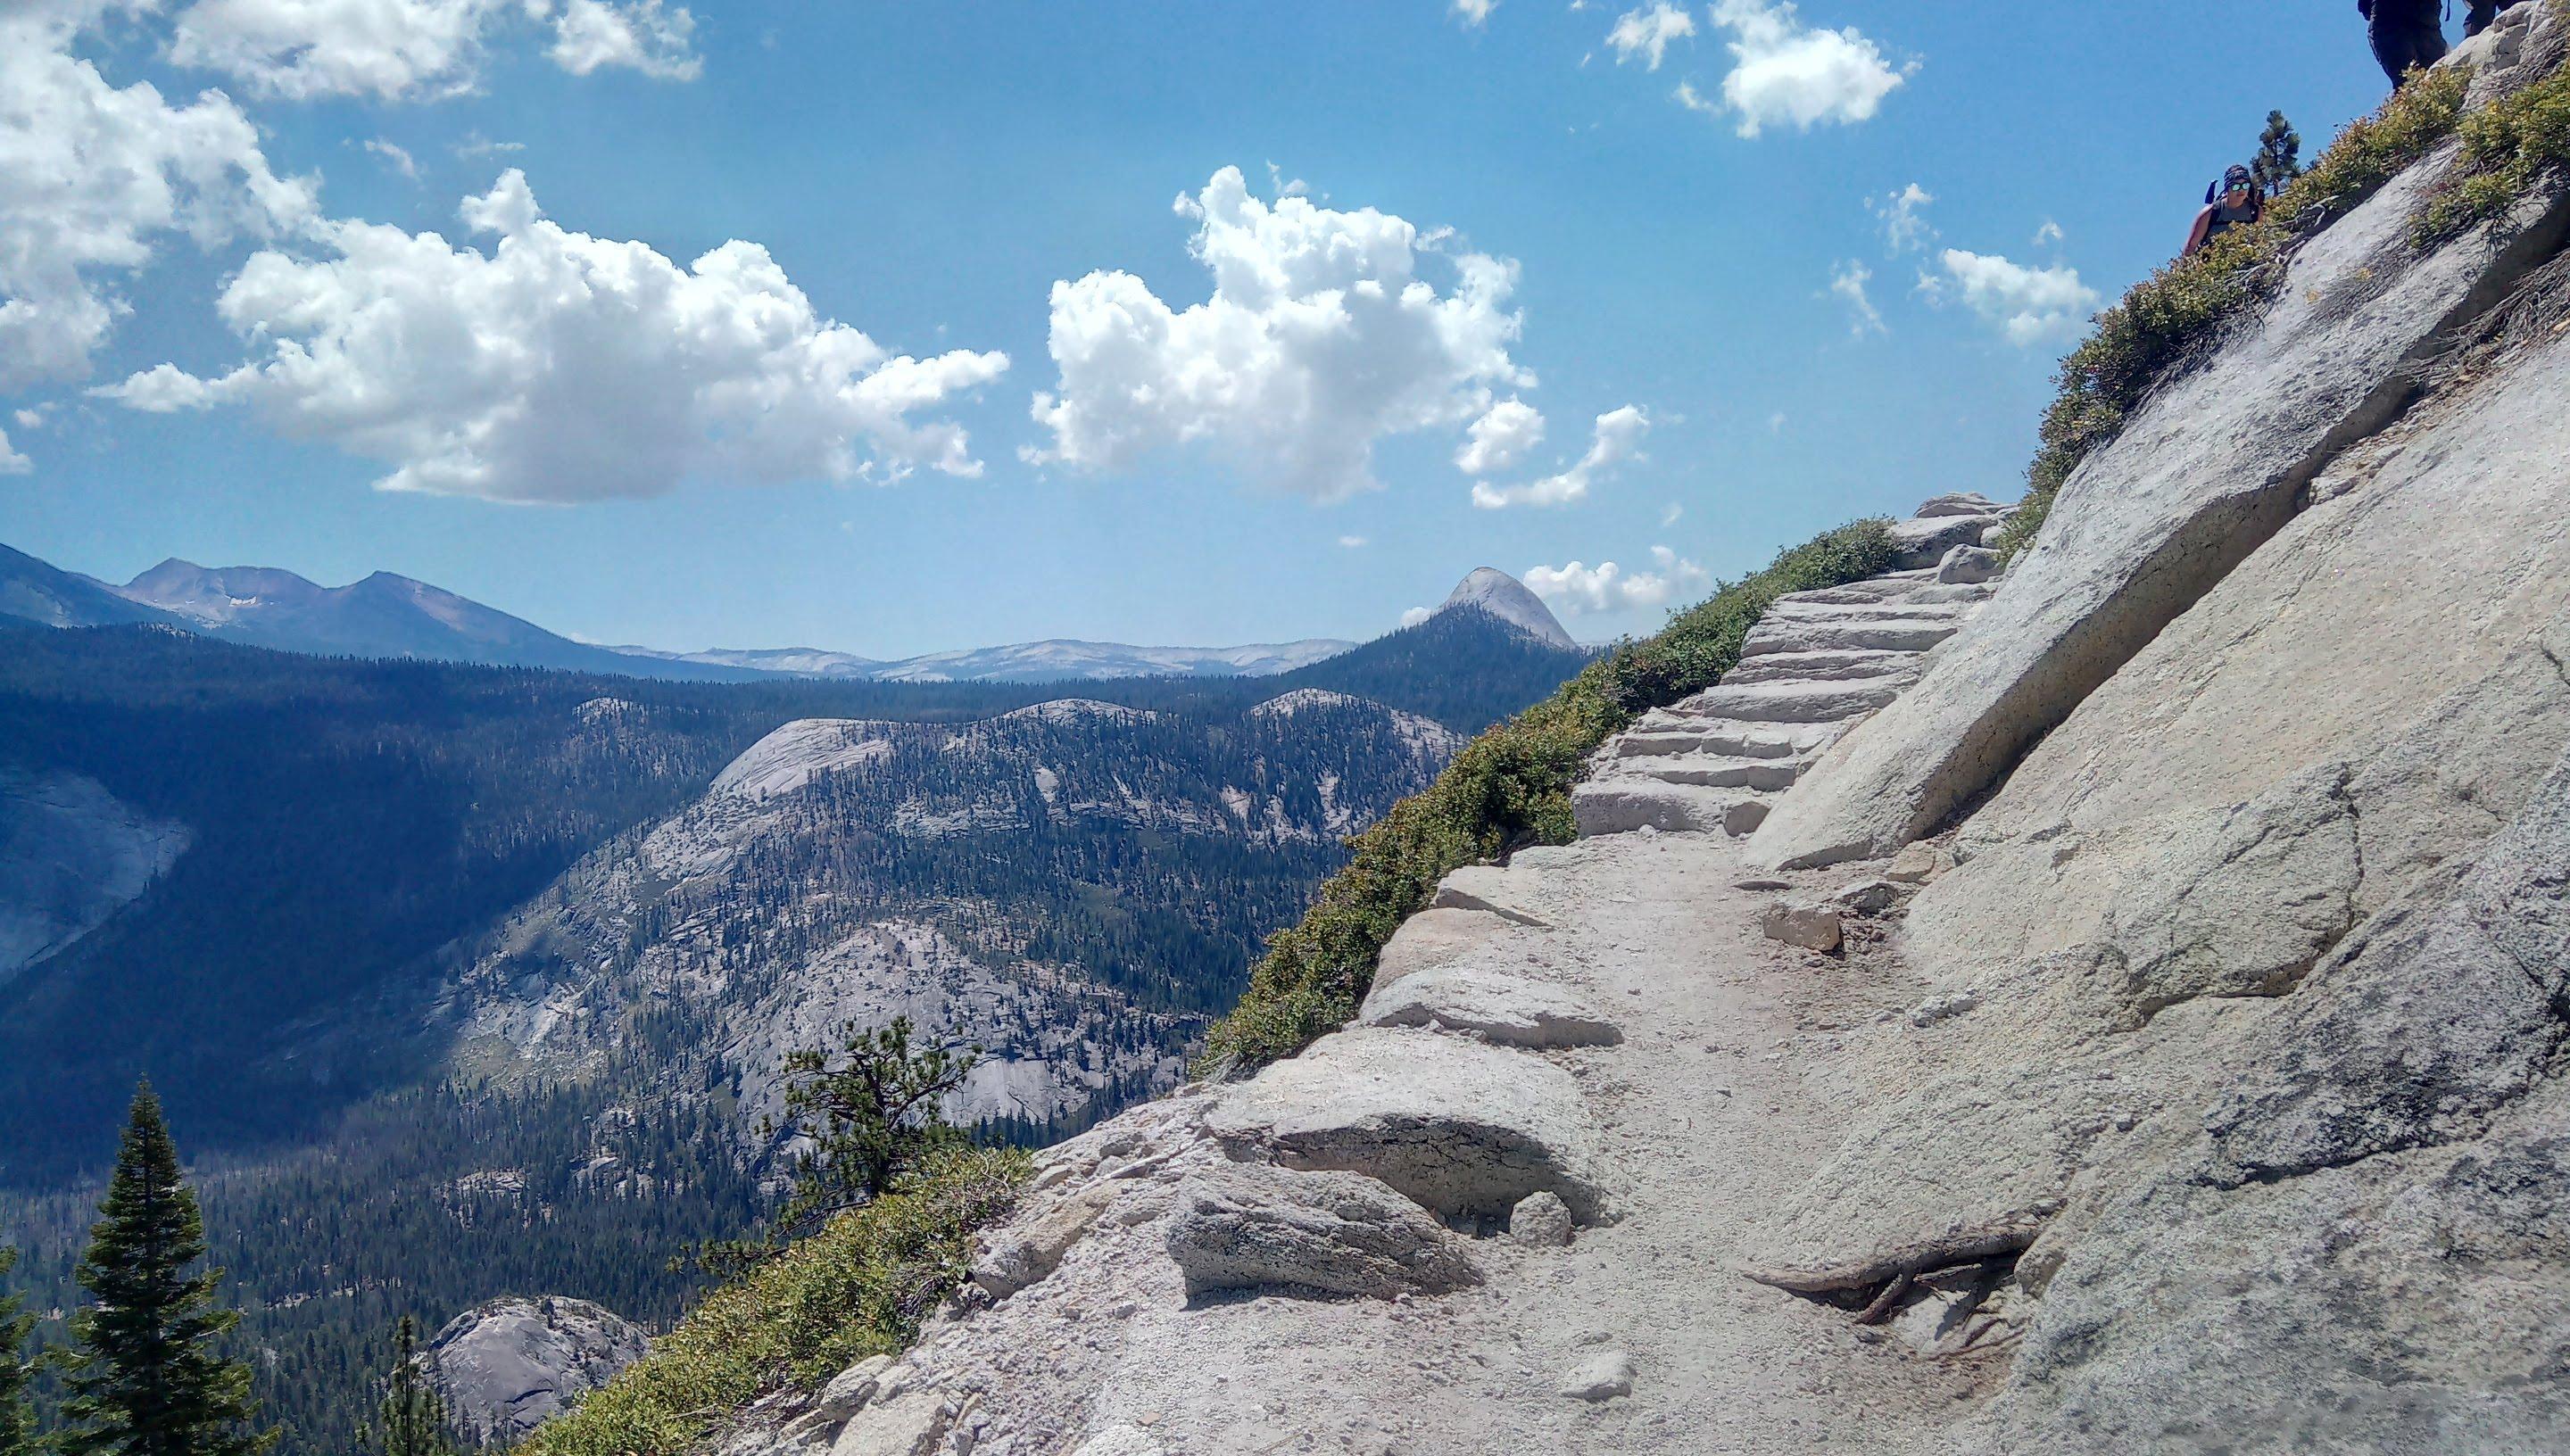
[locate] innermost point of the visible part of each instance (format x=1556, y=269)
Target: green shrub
x=858, y=1288
x=2166, y=320
x=1506, y=788
x=2508, y=147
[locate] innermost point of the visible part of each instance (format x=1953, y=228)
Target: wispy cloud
x=1618, y=440
x=1848, y=281
x=1647, y=34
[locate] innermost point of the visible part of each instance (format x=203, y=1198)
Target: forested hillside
x=322, y=977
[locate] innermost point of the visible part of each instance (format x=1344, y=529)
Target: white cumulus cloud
x=11, y=461
x=1648, y=33
x=1583, y=591
x=94, y=177
x=1619, y=439
x=562, y=367
x=1474, y=12
x=1319, y=340
x=1353, y=542
x=1501, y=438
x=1415, y=615
x=1788, y=74
x=415, y=49
x=2030, y=306
x=639, y=35
x=1848, y=281
x=300, y=49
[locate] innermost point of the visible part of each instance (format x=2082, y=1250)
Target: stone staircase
x=1815, y=665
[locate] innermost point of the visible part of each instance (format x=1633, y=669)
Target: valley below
x=482, y=979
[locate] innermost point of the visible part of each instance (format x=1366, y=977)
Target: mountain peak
x=1504, y=597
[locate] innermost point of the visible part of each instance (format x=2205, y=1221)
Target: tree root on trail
x=1881, y=1309
x=1888, y=1276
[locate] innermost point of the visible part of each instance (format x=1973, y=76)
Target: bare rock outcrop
x=1466, y=1130
x=1248, y=1226
x=508, y=1366
x=2206, y=472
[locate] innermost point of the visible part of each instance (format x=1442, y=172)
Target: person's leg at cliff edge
x=2484, y=14
x=2406, y=34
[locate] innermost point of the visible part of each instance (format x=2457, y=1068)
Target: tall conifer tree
x=147, y=1380
x=2280, y=155
x=17, y=1417
x=412, y=1419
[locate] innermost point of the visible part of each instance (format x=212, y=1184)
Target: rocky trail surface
x=1813, y=667
x=1591, y=1302
x=2153, y=1041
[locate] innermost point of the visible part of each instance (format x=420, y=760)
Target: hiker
x=2483, y=15
x=2406, y=34
x=2239, y=205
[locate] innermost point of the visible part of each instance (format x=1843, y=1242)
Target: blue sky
x=717, y=469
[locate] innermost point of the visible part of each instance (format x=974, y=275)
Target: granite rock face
x=508, y=1366
x=2207, y=471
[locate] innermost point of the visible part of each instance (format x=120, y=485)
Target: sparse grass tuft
x=858, y=1288
x=2167, y=319
x=1509, y=788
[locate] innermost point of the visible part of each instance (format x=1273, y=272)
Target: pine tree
x=2280, y=155
x=147, y=1380
x=17, y=1417
x=412, y=1417
x=869, y=1121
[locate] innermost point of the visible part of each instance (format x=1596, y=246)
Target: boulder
x=1969, y=564
x=1923, y=543
x=506, y=1367
x=1959, y=503
x=1435, y=938
x=1250, y=1225
x=1812, y=927
x=1540, y=1221
x=911, y=1423
x=1490, y=888
x=1507, y=1010
x=1462, y=1129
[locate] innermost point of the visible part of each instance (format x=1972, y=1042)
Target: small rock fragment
x=1541, y=1221
x=1938, y=1008
x=1812, y=927
x=1915, y=865
x=1867, y=896
x=1602, y=1377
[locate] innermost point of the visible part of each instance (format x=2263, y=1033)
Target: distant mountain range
x=392, y=617
x=1057, y=660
